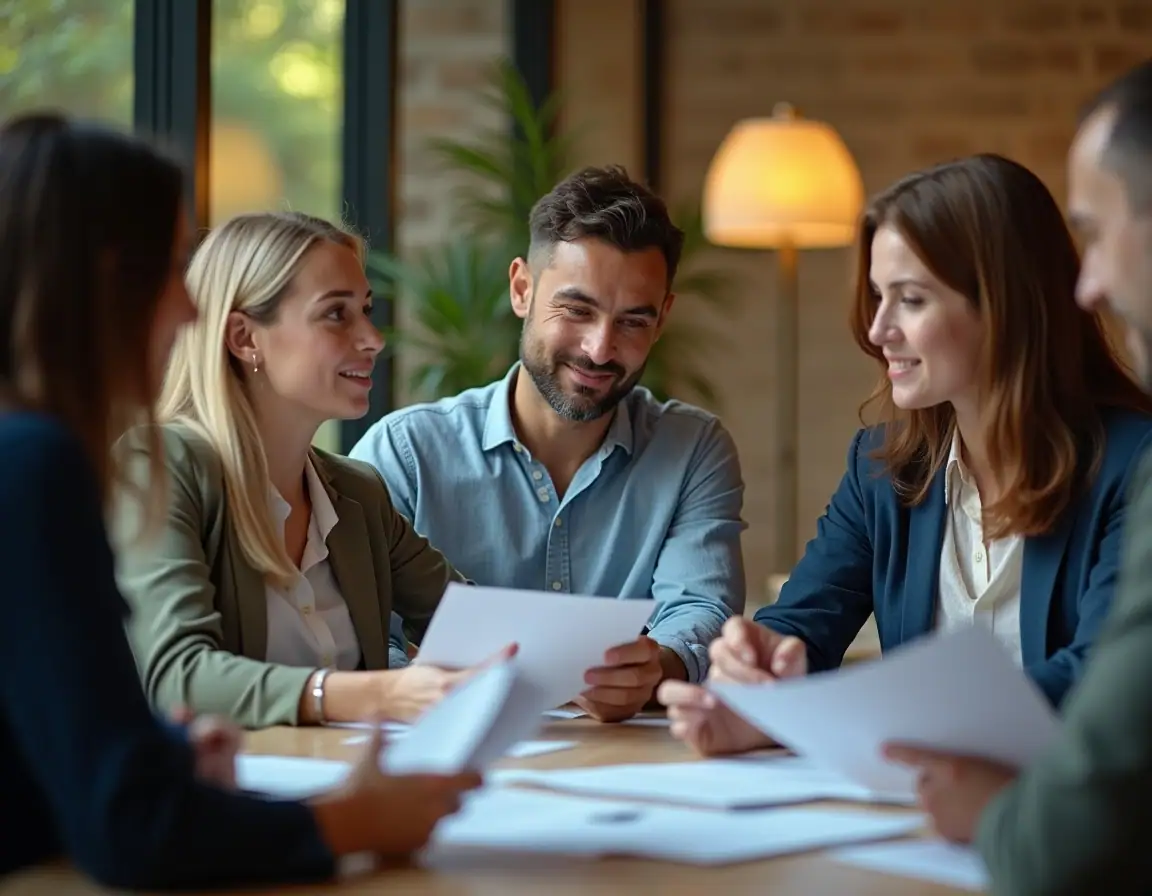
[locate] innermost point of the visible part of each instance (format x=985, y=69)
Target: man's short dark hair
x=604, y=204
x=1129, y=149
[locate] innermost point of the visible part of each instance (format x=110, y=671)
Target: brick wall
x=446, y=49
x=907, y=83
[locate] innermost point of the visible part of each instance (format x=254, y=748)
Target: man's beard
x=586, y=404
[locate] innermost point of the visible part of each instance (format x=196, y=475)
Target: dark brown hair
x=88, y=221
x=1130, y=140
x=606, y=204
x=989, y=229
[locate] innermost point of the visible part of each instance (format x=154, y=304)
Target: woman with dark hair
x=92, y=248
x=993, y=491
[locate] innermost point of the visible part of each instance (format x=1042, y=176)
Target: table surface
x=502, y=875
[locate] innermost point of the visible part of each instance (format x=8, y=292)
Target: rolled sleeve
x=699, y=581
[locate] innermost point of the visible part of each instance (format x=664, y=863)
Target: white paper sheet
x=958, y=692
x=934, y=860
x=565, y=713
x=739, y=783
x=523, y=750
x=560, y=636
x=288, y=777
x=522, y=821
x=472, y=726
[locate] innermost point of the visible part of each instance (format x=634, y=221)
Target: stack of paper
x=935, y=860
x=712, y=783
x=530, y=822
x=957, y=692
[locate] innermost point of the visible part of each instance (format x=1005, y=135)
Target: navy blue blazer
x=872, y=554
x=86, y=770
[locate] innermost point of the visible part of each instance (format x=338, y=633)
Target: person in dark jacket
x=92, y=248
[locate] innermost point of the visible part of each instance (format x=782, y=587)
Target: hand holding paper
x=958, y=693
x=472, y=727
x=412, y=690
x=559, y=636
x=749, y=653
x=703, y=722
x=624, y=682
x=954, y=790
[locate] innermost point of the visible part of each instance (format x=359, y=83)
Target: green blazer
x=199, y=625
x=1077, y=821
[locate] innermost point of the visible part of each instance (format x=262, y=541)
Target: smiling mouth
x=363, y=377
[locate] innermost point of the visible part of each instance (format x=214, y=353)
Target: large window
x=74, y=56
x=276, y=113
x=276, y=106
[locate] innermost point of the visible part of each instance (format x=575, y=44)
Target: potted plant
x=463, y=331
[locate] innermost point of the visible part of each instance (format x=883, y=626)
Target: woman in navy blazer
x=999, y=472
x=92, y=247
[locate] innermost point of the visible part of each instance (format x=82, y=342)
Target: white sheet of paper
x=934, y=860
x=288, y=777
x=959, y=692
x=739, y=783
x=523, y=821
x=475, y=724
x=523, y=750
x=565, y=713
x=560, y=636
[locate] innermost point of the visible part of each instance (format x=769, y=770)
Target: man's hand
x=215, y=743
x=626, y=682
x=954, y=790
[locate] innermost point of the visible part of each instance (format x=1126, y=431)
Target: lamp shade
x=783, y=180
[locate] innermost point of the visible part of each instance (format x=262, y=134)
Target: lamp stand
x=787, y=388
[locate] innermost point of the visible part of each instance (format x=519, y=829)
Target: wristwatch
x=318, y=694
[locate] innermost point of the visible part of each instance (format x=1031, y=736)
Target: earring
x=255, y=363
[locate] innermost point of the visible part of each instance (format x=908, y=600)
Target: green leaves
x=464, y=333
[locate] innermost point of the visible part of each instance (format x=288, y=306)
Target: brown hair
x=88, y=221
x=988, y=228
x=605, y=204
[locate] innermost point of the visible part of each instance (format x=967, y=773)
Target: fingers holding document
x=749, y=653
x=705, y=723
x=387, y=815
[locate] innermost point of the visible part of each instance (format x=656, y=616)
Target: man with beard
x=1075, y=822
x=567, y=476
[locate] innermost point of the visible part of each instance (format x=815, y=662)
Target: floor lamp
x=785, y=183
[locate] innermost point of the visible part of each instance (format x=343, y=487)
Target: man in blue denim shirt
x=565, y=475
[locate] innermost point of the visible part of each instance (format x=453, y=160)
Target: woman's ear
x=238, y=338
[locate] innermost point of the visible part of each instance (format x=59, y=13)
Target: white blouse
x=979, y=584
x=309, y=624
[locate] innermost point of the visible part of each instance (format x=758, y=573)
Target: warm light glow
x=782, y=180
x=245, y=175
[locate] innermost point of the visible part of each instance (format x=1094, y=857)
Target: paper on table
x=288, y=777
x=565, y=713
x=957, y=692
x=472, y=726
x=739, y=783
x=523, y=750
x=935, y=860
x=523, y=821
x=560, y=636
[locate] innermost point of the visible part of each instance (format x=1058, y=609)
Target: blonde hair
x=246, y=264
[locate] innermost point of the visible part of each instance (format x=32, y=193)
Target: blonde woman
x=267, y=594
x=91, y=294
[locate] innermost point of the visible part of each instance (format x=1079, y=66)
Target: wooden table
x=811, y=874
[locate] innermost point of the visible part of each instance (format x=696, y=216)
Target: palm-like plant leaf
x=463, y=331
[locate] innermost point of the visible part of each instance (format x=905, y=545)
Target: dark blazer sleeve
x=1077, y=821
x=828, y=596
x=1056, y=675
x=118, y=784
